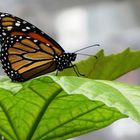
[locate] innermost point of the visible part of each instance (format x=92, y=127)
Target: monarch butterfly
x=27, y=52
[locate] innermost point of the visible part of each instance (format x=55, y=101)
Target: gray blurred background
x=114, y=24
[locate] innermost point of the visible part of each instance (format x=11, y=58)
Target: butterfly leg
x=95, y=56
x=74, y=66
x=76, y=70
x=56, y=73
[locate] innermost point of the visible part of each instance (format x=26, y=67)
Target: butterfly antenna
x=87, y=55
x=83, y=54
x=87, y=47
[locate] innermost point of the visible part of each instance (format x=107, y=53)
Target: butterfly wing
x=26, y=51
x=24, y=58
x=11, y=26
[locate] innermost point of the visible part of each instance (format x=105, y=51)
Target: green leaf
x=6, y=83
x=107, y=67
x=65, y=107
x=124, y=97
x=41, y=110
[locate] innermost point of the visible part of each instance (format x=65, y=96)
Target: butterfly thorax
x=64, y=61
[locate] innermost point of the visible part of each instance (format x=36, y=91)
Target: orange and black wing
x=26, y=51
x=11, y=26
x=24, y=57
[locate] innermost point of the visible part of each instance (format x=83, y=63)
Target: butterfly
x=27, y=52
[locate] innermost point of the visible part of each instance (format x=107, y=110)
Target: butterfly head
x=63, y=61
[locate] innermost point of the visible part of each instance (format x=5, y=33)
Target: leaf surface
x=42, y=110
x=106, y=67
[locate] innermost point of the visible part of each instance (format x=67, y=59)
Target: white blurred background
x=114, y=24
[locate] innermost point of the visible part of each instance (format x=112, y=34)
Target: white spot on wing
x=9, y=28
x=48, y=44
x=28, y=28
x=4, y=34
x=17, y=24
x=23, y=30
x=35, y=40
x=2, y=15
